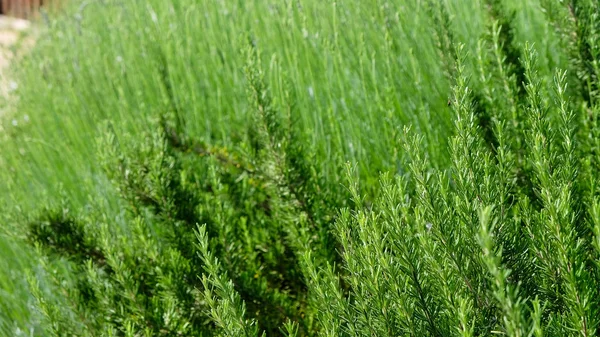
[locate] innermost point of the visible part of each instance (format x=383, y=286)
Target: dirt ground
x=11, y=30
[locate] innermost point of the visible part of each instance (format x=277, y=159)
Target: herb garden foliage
x=199, y=213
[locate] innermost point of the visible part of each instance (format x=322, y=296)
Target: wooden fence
x=21, y=8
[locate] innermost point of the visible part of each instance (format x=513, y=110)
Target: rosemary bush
x=305, y=168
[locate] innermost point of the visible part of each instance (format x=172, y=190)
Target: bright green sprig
x=226, y=307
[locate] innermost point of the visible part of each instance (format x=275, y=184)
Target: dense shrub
x=299, y=173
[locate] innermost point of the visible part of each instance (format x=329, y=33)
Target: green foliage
x=311, y=168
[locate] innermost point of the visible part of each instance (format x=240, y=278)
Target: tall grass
x=179, y=168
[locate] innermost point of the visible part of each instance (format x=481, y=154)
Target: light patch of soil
x=12, y=30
